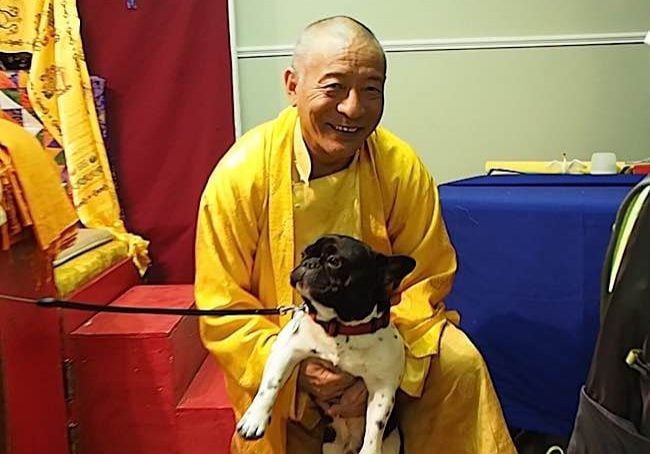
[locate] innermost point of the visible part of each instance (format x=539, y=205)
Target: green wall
x=460, y=108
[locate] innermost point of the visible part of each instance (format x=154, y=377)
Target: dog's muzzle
x=311, y=274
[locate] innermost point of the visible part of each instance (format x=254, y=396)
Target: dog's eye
x=333, y=261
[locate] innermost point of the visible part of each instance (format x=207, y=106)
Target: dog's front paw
x=366, y=450
x=253, y=424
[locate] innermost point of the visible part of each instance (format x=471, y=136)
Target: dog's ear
x=395, y=268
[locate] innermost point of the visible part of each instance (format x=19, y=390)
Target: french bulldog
x=346, y=289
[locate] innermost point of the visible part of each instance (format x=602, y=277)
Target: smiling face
x=338, y=89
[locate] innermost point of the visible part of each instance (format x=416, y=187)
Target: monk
x=324, y=165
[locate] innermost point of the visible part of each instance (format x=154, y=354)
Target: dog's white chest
x=365, y=355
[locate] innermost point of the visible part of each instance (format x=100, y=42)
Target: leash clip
x=289, y=309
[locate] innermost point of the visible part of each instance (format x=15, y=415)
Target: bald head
x=336, y=84
x=332, y=33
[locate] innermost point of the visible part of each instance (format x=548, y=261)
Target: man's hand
x=352, y=403
x=336, y=392
x=322, y=380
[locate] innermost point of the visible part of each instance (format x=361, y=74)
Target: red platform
x=35, y=414
x=205, y=418
x=137, y=387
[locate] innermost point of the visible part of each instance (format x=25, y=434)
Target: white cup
x=603, y=163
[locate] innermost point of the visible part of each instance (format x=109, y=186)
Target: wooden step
x=205, y=418
x=131, y=370
x=103, y=289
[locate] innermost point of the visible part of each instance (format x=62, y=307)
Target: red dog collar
x=335, y=328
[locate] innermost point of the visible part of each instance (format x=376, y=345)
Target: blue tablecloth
x=531, y=250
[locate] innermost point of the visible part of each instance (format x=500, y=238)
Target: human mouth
x=346, y=129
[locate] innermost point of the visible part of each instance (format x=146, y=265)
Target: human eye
x=333, y=86
x=374, y=89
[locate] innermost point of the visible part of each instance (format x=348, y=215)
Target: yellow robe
x=60, y=91
x=245, y=252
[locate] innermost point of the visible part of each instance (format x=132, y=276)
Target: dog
x=345, y=320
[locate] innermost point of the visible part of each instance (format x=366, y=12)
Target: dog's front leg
x=380, y=405
x=285, y=354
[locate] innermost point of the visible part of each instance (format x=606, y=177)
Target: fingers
x=352, y=403
x=321, y=362
x=322, y=380
x=336, y=392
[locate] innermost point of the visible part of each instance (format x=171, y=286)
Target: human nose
x=351, y=106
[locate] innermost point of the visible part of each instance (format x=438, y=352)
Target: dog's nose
x=296, y=275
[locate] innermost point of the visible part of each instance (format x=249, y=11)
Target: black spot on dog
x=395, y=336
x=381, y=339
x=314, y=351
x=381, y=424
x=347, y=339
x=391, y=424
x=330, y=434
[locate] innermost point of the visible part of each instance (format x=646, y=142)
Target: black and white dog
x=345, y=286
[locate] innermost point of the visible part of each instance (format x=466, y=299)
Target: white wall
x=460, y=108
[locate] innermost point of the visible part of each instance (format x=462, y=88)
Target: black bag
x=614, y=410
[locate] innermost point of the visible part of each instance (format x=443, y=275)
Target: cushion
x=87, y=239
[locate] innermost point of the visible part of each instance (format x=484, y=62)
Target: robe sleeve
x=416, y=228
x=230, y=253
x=226, y=242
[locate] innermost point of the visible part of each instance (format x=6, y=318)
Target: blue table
x=531, y=250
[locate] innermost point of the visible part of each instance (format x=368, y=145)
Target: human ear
x=290, y=84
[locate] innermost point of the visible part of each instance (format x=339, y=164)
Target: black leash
x=79, y=306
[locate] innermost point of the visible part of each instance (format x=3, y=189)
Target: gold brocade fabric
x=61, y=94
x=31, y=192
x=82, y=269
x=14, y=215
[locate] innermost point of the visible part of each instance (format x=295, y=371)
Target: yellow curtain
x=61, y=94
